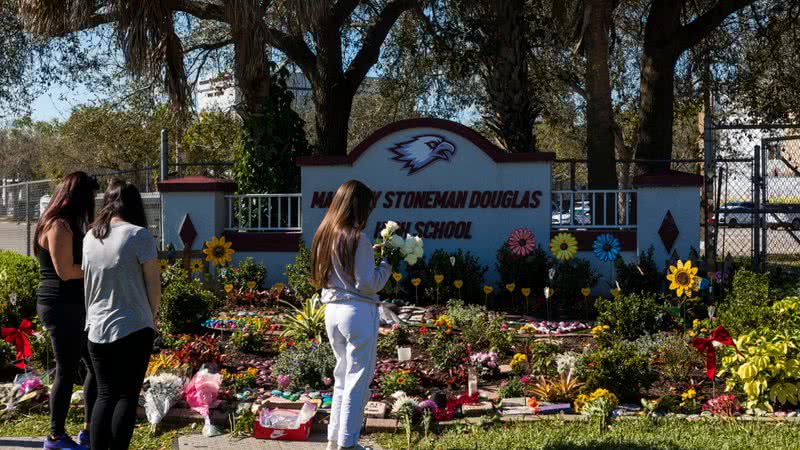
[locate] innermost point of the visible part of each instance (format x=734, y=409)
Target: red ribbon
x=19, y=337
x=706, y=346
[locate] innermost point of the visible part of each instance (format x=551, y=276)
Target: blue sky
x=58, y=102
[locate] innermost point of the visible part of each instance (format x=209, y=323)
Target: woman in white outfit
x=343, y=266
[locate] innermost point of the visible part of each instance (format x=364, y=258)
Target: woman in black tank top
x=58, y=245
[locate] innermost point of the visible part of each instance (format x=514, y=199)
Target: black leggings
x=65, y=324
x=120, y=367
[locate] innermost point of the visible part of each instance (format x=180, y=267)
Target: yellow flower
x=600, y=329
x=438, y=278
x=416, y=282
x=218, y=252
x=487, y=289
x=278, y=287
x=689, y=394
x=164, y=264
x=228, y=288
x=458, y=284
x=299, y=317
x=510, y=287
x=683, y=278
x=520, y=357
x=691, y=333
x=401, y=380
x=695, y=323
x=581, y=401
x=525, y=292
x=397, y=276
x=197, y=266
x=564, y=246
x=586, y=291
x=251, y=285
x=616, y=293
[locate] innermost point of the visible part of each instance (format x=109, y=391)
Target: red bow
x=706, y=346
x=19, y=337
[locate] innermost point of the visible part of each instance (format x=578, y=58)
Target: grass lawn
x=629, y=435
x=143, y=437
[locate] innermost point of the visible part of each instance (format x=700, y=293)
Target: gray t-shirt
x=116, y=296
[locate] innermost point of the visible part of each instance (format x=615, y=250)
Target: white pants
x=353, y=332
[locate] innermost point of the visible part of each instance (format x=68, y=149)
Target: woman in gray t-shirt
x=123, y=292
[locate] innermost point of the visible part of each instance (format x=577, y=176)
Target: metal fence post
x=708, y=185
x=164, y=154
x=28, y=219
x=756, y=231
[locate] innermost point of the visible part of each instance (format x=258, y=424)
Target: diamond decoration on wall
x=668, y=231
x=187, y=233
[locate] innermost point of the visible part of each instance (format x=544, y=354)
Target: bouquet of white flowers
x=163, y=391
x=395, y=248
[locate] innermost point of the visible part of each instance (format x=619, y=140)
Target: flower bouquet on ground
x=396, y=249
x=201, y=395
x=161, y=394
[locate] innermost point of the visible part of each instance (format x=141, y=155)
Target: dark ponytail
x=120, y=200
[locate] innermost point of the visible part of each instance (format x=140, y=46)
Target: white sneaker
x=356, y=447
x=332, y=445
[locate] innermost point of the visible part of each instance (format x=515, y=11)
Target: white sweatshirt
x=369, y=279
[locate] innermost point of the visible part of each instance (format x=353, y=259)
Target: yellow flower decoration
x=683, y=278
x=397, y=276
x=487, y=289
x=218, y=252
x=586, y=292
x=197, y=266
x=228, y=288
x=278, y=287
x=438, y=278
x=510, y=287
x=525, y=292
x=458, y=284
x=251, y=285
x=164, y=264
x=564, y=246
x=416, y=282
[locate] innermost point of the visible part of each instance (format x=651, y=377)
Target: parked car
x=787, y=215
x=561, y=213
x=740, y=214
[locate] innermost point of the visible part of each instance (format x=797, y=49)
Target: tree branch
x=200, y=9
x=367, y=56
x=295, y=48
x=208, y=46
x=343, y=9
x=695, y=31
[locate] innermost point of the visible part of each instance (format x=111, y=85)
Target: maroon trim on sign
x=492, y=151
x=263, y=242
x=586, y=238
x=673, y=178
x=196, y=184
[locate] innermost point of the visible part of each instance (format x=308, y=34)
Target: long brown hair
x=337, y=235
x=120, y=200
x=72, y=202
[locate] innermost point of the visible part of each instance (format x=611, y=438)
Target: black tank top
x=52, y=289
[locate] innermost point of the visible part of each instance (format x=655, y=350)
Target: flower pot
x=403, y=353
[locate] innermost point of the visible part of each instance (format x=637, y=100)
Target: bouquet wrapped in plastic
x=163, y=391
x=201, y=395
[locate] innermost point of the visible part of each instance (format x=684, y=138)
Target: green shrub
x=298, y=275
x=542, y=358
x=747, y=306
x=511, y=388
x=630, y=316
x=307, y=364
x=185, y=303
x=467, y=268
x=483, y=331
x=571, y=276
x=446, y=354
x=525, y=271
x=19, y=279
x=679, y=359
x=246, y=271
x=619, y=368
x=8, y=354
x=631, y=279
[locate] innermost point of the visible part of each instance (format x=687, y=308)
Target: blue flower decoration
x=704, y=284
x=606, y=247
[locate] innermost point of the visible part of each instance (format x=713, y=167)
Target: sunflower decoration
x=683, y=278
x=521, y=242
x=197, y=266
x=218, y=251
x=564, y=246
x=163, y=264
x=606, y=247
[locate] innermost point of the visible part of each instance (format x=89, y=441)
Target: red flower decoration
x=521, y=242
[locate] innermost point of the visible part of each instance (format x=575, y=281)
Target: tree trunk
x=659, y=56
x=599, y=116
x=505, y=73
x=251, y=64
x=333, y=107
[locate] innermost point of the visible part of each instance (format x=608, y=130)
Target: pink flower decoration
x=521, y=242
x=327, y=381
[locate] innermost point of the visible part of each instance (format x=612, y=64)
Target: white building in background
x=220, y=93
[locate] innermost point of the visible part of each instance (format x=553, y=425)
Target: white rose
x=418, y=241
x=411, y=260
x=392, y=226
x=397, y=241
x=418, y=252
x=385, y=234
